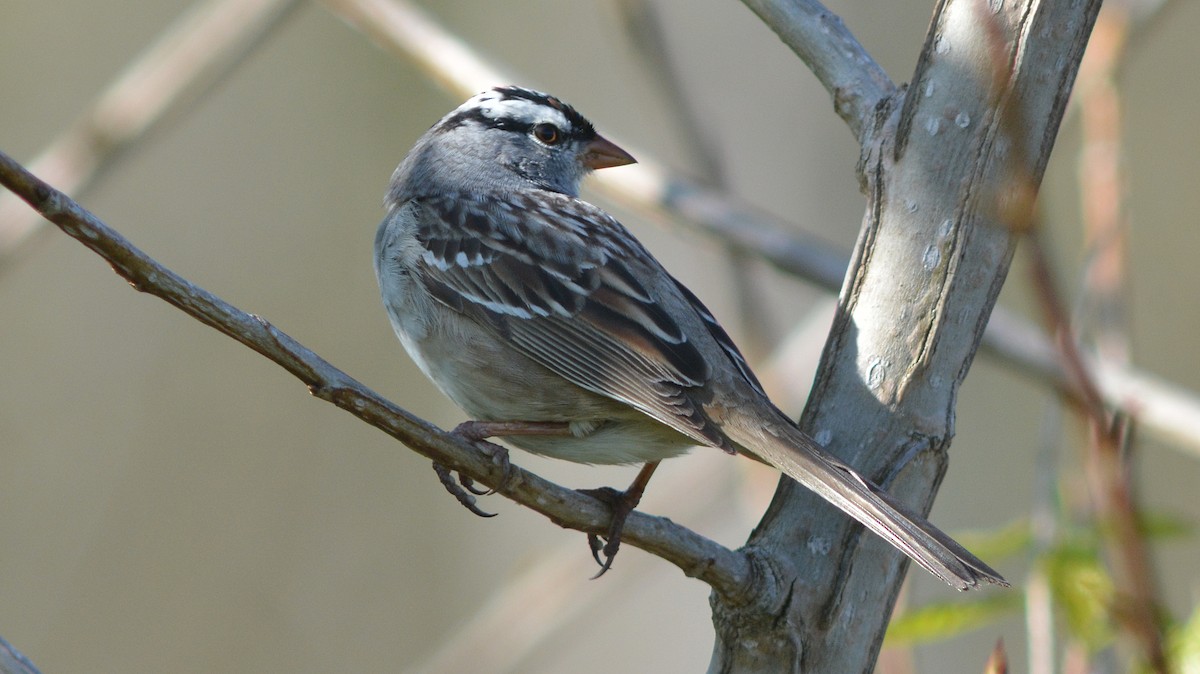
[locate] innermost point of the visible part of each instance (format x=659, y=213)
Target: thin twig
x=190, y=57
x=1055, y=314
x=1109, y=480
x=726, y=571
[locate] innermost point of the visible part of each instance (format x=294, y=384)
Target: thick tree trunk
x=947, y=181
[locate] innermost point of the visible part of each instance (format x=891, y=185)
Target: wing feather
x=557, y=278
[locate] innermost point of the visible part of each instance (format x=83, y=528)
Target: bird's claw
x=462, y=489
x=621, y=503
x=467, y=483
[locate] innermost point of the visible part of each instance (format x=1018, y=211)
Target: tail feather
x=804, y=461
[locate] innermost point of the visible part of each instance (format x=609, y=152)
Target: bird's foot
x=621, y=503
x=462, y=489
x=476, y=433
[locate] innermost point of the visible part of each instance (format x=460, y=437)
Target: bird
x=555, y=330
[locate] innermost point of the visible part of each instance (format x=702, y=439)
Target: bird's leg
x=476, y=433
x=622, y=503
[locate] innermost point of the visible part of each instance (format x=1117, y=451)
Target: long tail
x=804, y=461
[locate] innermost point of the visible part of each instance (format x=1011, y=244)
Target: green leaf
x=1012, y=539
x=1164, y=525
x=1083, y=590
x=934, y=622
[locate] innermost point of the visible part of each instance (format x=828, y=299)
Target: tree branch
x=855, y=81
x=728, y=572
x=930, y=261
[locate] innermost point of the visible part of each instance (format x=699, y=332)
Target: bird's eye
x=547, y=133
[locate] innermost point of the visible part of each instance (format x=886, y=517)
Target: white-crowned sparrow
x=547, y=321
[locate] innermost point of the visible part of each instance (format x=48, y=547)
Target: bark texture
x=944, y=174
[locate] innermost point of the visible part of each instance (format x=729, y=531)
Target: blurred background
x=172, y=502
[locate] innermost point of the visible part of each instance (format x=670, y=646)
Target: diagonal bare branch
x=726, y=571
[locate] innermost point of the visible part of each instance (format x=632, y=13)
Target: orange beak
x=603, y=153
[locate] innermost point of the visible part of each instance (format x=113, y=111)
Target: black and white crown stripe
x=518, y=109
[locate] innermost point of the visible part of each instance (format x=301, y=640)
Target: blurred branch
x=1109, y=480
x=855, y=81
x=1170, y=411
x=1104, y=298
x=192, y=56
x=1044, y=528
x=526, y=610
x=729, y=573
x=1107, y=464
x=644, y=26
x=642, y=23
x=1136, y=606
